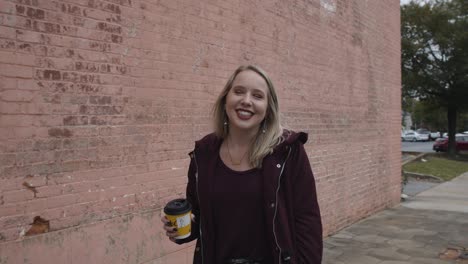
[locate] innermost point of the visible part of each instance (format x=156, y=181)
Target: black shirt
x=238, y=214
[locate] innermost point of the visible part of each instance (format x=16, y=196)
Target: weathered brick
x=27, y=84
x=24, y=47
x=49, y=191
x=99, y=120
x=101, y=100
x=60, y=132
x=78, y=99
x=52, y=214
x=14, y=221
x=109, y=28
x=86, y=66
x=7, y=83
x=17, y=196
x=70, y=9
x=7, y=32
x=61, y=178
x=76, y=154
x=55, y=63
x=35, y=180
x=17, y=58
x=7, y=146
x=35, y=13
x=62, y=200
x=78, y=165
x=48, y=74
x=16, y=107
x=31, y=158
x=17, y=96
x=7, y=7
x=7, y=160
x=78, y=209
x=48, y=144
x=75, y=143
x=7, y=44
x=15, y=21
x=10, y=209
x=16, y=71
x=46, y=27
x=81, y=78
x=75, y=120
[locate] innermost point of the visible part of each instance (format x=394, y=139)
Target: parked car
x=414, y=136
x=445, y=135
x=435, y=135
x=423, y=131
x=461, y=140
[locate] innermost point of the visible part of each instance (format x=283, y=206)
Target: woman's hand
x=171, y=231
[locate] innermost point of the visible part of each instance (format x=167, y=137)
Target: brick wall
x=101, y=102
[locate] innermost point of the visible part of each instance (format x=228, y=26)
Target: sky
x=402, y=2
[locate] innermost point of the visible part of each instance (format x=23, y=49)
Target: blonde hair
x=264, y=143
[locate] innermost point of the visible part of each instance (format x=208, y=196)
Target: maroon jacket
x=290, y=201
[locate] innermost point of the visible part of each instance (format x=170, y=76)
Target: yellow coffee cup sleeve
x=182, y=222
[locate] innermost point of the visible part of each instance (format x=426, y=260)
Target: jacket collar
x=211, y=142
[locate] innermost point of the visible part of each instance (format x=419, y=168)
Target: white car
x=445, y=135
x=435, y=135
x=414, y=136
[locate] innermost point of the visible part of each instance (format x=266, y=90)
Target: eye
x=238, y=91
x=258, y=96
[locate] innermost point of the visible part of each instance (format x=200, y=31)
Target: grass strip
x=437, y=165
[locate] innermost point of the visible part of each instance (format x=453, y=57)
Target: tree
x=430, y=116
x=434, y=39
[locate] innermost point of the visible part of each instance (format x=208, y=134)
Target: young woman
x=250, y=183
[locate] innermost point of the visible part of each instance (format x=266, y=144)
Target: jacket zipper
x=198, y=198
x=276, y=206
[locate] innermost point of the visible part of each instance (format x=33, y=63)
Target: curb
x=419, y=155
x=407, y=174
x=422, y=176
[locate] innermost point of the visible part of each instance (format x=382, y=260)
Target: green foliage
x=434, y=41
x=432, y=116
x=435, y=51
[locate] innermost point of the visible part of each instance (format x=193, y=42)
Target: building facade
x=101, y=100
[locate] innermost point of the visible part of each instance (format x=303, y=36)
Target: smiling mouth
x=244, y=114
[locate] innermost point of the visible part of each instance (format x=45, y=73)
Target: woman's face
x=247, y=101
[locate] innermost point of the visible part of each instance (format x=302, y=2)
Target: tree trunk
x=452, y=126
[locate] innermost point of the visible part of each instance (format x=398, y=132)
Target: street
x=417, y=146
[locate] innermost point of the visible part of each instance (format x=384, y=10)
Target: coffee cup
x=178, y=213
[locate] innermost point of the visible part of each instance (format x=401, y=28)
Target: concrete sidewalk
x=416, y=231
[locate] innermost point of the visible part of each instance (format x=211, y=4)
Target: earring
x=225, y=120
x=264, y=127
x=225, y=124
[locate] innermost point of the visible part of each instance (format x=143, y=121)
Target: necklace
x=230, y=156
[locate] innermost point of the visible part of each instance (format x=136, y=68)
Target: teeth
x=244, y=113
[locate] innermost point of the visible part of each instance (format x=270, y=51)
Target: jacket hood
x=208, y=142
x=291, y=137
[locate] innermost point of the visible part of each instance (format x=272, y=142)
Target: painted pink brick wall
x=101, y=102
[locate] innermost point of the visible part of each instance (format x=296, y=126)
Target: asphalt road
x=417, y=146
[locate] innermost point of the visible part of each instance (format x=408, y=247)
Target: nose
x=247, y=99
